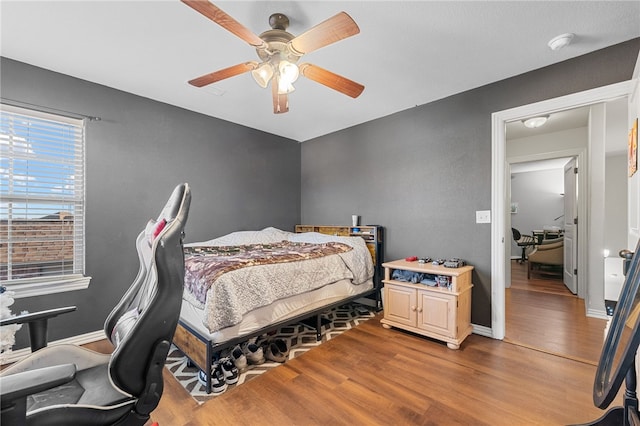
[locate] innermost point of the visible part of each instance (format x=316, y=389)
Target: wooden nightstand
x=441, y=312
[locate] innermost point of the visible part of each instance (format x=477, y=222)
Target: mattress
x=279, y=310
x=268, y=293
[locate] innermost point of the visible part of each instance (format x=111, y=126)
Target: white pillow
x=267, y=235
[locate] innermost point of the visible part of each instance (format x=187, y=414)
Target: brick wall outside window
x=40, y=247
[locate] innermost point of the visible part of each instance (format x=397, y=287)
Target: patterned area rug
x=300, y=338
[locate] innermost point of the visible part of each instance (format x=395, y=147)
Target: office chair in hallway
x=523, y=241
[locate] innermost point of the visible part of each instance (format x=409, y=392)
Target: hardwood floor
x=550, y=284
x=373, y=376
x=543, y=314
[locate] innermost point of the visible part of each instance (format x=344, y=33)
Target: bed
x=248, y=283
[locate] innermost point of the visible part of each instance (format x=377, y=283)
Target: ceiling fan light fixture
x=284, y=87
x=263, y=74
x=289, y=71
x=535, y=122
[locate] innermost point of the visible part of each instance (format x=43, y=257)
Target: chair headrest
x=516, y=234
x=171, y=209
x=174, y=203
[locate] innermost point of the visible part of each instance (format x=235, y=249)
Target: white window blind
x=42, y=195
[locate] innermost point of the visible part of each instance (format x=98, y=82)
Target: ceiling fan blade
x=331, y=80
x=330, y=31
x=280, y=101
x=224, y=73
x=218, y=16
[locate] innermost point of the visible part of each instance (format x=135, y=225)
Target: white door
x=570, y=229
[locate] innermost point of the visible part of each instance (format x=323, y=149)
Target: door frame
x=499, y=196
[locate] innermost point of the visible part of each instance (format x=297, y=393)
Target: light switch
x=483, y=216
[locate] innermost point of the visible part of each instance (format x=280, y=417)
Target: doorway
x=539, y=298
x=500, y=166
x=545, y=200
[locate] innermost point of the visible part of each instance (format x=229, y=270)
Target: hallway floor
x=542, y=314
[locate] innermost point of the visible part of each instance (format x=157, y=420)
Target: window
x=41, y=202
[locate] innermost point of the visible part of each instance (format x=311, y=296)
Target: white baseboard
x=82, y=339
x=482, y=330
x=594, y=313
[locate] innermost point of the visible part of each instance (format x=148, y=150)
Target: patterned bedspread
x=229, y=281
x=204, y=265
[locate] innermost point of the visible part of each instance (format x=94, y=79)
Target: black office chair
x=71, y=385
x=523, y=241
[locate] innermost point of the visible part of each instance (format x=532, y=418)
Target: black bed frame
x=190, y=348
x=200, y=350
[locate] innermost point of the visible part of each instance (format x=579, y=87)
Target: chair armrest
x=38, y=322
x=36, y=316
x=21, y=385
x=552, y=240
x=550, y=246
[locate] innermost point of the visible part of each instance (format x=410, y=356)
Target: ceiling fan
x=279, y=52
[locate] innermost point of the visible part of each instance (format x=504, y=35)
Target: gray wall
x=540, y=201
x=240, y=179
x=423, y=172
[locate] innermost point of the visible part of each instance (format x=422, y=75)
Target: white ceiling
x=615, y=139
x=408, y=52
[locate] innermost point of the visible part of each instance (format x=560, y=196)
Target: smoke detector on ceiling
x=560, y=41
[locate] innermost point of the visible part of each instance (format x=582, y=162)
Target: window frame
x=40, y=286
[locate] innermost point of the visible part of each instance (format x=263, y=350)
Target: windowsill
x=43, y=286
